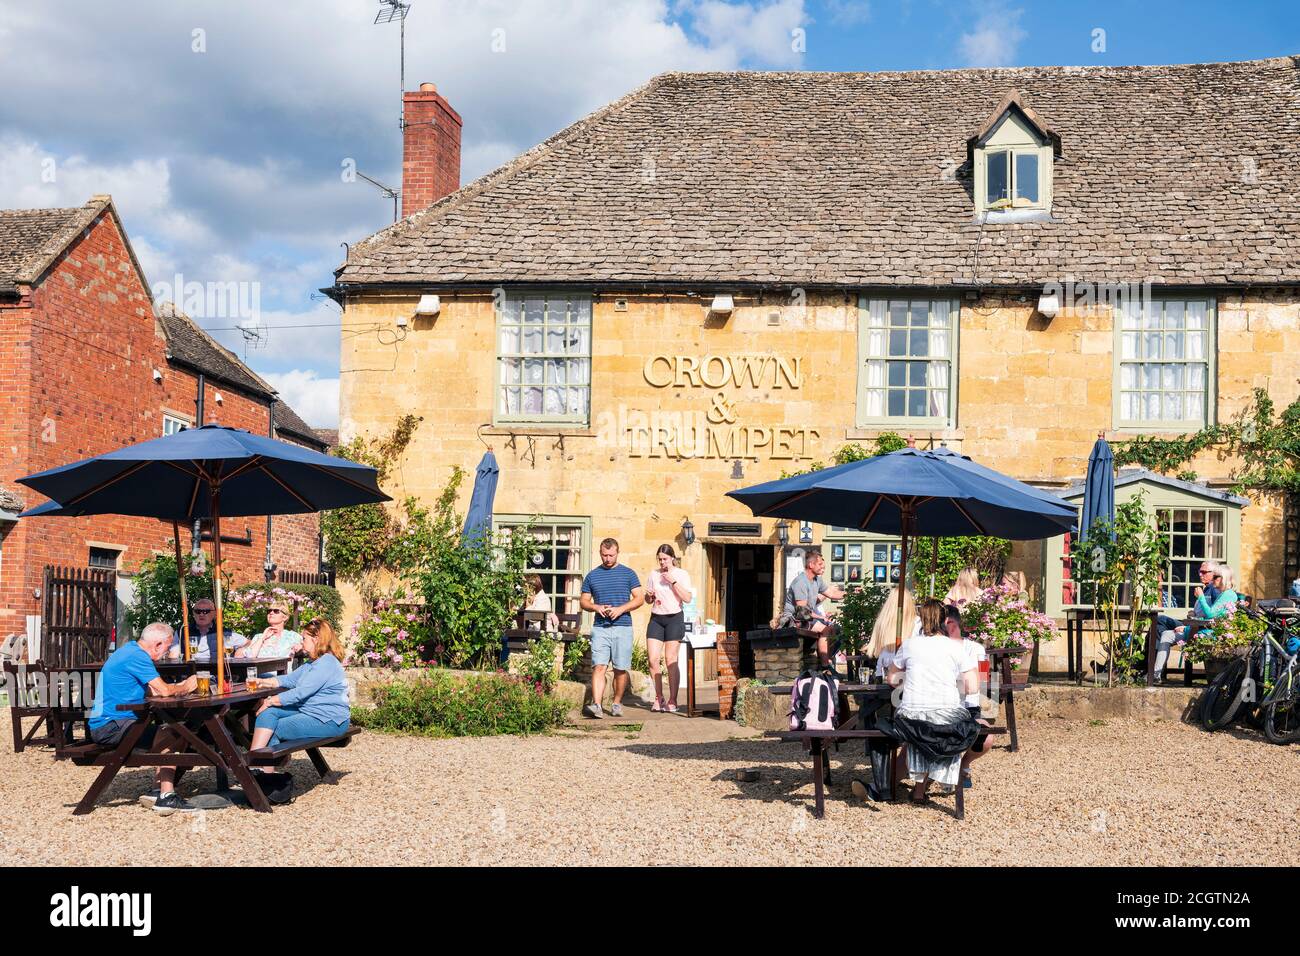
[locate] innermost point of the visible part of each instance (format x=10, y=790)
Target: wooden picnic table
x=218, y=714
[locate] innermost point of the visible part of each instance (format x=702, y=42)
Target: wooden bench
x=816, y=741
x=270, y=756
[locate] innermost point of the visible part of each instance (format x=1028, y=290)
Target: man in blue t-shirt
x=129, y=673
x=610, y=592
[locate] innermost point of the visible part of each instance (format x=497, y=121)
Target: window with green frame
x=544, y=359
x=1165, y=364
x=852, y=558
x=907, y=361
x=560, y=556
x=1195, y=535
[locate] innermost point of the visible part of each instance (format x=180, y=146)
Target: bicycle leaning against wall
x=1264, y=684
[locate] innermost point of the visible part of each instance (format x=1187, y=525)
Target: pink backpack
x=813, y=702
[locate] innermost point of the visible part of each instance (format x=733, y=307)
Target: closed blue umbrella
x=1099, y=489
x=478, y=520
x=205, y=473
x=914, y=492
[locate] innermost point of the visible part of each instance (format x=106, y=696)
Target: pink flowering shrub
x=1228, y=636
x=1000, y=617
x=393, y=635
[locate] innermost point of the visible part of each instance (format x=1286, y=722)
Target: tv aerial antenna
x=389, y=11
x=255, y=335
x=389, y=191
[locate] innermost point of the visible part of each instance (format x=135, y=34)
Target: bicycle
x=1281, y=704
x=1240, y=682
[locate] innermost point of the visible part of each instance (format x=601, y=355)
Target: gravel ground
x=1118, y=794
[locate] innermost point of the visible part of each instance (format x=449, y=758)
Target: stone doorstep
x=759, y=708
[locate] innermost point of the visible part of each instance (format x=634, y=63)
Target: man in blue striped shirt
x=610, y=592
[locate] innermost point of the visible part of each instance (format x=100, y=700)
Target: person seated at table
x=976, y=654
x=807, y=590
x=540, y=601
x=313, y=700
x=1217, y=599
x=129, y=673
x=931, y=719
x=276, y=640
x=881, y=645
x=204, y=632
x=965, y=589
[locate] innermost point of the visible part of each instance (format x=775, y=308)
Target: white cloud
x=846, y=13
x=758, y=32
x=995, y=40
x=225, y=165
x=315, y=399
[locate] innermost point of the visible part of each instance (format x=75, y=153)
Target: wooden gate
x=80, y=611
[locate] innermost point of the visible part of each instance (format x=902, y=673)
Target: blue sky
x=221, y=126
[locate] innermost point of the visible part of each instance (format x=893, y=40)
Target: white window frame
x=1209, y=360
x=179, y=421
x=511, y=314
x=1014, y=136
x=870, y=313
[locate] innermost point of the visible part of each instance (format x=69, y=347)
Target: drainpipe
x=196, y=532
x=268, y=566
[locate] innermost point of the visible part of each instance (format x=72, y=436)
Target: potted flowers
x=1000, y=617
x=1229, y=636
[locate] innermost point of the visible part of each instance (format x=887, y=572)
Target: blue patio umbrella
x=1099, y=489
x=204, y=473
x=478, y=520
x=913, y=492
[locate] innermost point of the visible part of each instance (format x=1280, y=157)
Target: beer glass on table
x=204, y=679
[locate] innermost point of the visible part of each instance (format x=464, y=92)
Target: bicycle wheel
x=1220, y=703
x=1282, y=712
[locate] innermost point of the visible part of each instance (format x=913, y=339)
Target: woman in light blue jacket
x=1223, y=603
x=313, y=701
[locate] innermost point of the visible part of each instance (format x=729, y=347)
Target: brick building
x=87, y=364
x=724, y=276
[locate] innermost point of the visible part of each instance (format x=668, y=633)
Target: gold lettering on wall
x=720, y=371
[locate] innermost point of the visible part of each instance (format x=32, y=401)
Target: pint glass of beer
x=205, y=683
x=250, y=680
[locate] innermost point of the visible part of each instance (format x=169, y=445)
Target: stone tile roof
x=286, y=420
x=192, y=347
x=30, y=239
x=1128, y=476
x=330, y=436
x=1180, y=174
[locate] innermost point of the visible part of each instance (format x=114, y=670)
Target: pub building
x=724, y=277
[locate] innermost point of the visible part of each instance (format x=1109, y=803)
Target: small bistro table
x=1077, y=614
x=218, y=714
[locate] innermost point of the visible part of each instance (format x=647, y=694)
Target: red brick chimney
x=430, y=149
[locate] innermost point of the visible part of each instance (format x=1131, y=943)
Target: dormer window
x=1011, y=156
x=1012, y=179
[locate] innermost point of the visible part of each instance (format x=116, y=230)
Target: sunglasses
x=204, y=610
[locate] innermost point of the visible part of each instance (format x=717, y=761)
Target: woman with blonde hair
x=883, y=632
x=967, y=588
x=314, y=698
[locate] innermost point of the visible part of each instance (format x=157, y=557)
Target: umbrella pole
x=906, y=528
x=934, y=562
x=216, y=589
x=185, y=603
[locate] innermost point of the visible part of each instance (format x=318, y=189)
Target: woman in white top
x=881, y=646
x=976, y=654
x=668, y=587
x=935, y=673
x=539, y=600
x=276, y=640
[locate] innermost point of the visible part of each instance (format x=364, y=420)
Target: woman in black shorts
x=668, y=587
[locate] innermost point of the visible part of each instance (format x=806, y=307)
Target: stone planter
x=1215, y=666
